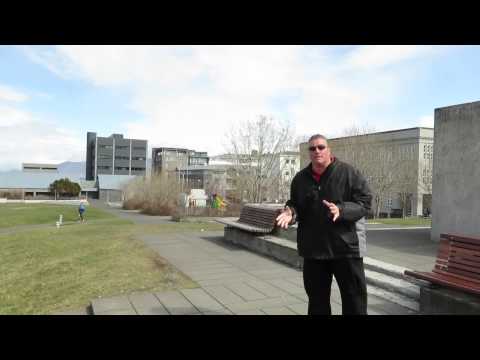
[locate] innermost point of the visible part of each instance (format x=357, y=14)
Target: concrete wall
x=110, y=195
x=456, y=171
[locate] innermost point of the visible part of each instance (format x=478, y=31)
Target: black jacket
x=318, y=236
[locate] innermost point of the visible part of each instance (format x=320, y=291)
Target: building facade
x=115, y=155
x=44, y=168
x=398, y=165
x=165, y=159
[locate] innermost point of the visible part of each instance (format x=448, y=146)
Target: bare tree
x=255, y=146
x=405, y=184
x=374, y=160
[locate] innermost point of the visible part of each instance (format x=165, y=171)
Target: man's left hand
x=333, y=209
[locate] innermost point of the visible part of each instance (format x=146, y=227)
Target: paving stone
x=223, y=294
x=143, y=300
x=259, y=304
x=336, y=308
x=279, y=310
x=219, y=312
x=202, y=300
x=225, y=281
x=216, y=275
x=251, y=312
x=155, y=310
x=300, y=309
x=118, y=312
x=245, y=291
x=176, y=303
x=266, y=288
x=112, y=303
x=287, y=286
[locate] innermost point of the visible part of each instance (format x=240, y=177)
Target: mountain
x=72, y=167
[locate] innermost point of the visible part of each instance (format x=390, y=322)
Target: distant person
x=81, y=211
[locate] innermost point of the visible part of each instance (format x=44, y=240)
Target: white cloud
x=426, y=121
x=375, y=56
x=188, y=95
x=26, y=138
x=9, y=94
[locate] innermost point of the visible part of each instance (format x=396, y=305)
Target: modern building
x=32, y=185
x=400, y=159
x=111, y=188
x=287, y=165
x=212, y=178
x=45, y=168
x=115, y=155
x=165, y=159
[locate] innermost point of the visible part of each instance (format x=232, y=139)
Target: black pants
x=350, y=276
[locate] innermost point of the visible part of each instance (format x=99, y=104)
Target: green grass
x=31, y=214
x=49, y=270
x=403, y=222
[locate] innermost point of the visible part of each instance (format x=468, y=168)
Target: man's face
x=319, y=152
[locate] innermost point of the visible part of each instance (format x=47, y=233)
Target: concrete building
x=405, y=153
x=456, y=171
x=165, y=159
x=111, y=187
x=45, y=168
x=286, y=165
x=214, y=179
x=32, y=185
x=115, y=155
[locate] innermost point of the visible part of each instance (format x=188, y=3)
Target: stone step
x=393, y=284
x=387, y=277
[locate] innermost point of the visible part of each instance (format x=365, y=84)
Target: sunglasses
x=319, y=147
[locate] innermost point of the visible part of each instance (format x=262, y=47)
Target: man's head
x=319, y=151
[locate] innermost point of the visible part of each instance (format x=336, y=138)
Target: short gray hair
x=317, y=136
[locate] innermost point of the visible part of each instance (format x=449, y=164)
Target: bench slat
x=457, y=264
x=460, y=238
x=446, y=280
x=456, y=274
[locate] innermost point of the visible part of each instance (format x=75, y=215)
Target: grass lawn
x=405, y=222
x=29, y=214
x=48, y=270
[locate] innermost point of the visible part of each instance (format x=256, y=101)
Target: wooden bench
x=256, y=218
x=457, y=265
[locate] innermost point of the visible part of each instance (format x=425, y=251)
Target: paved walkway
x=232, y=281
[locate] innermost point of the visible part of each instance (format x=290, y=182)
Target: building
x=111, y=188
x=287, y=165
x=45, y=168
x=165, y=159
x=115, y=155
x=35, y=185
x=456, y=171
x=212, y=178
x=397, y=164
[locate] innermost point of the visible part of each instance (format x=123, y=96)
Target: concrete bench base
x=440, y=300
x=281, y=249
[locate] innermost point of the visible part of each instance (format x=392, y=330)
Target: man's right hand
x=284, y=218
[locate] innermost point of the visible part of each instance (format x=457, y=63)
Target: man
x=329, y=199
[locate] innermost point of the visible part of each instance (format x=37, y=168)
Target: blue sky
x=189, y=96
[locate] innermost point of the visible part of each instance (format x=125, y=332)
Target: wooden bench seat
x=457, y=264
x=256, y=218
